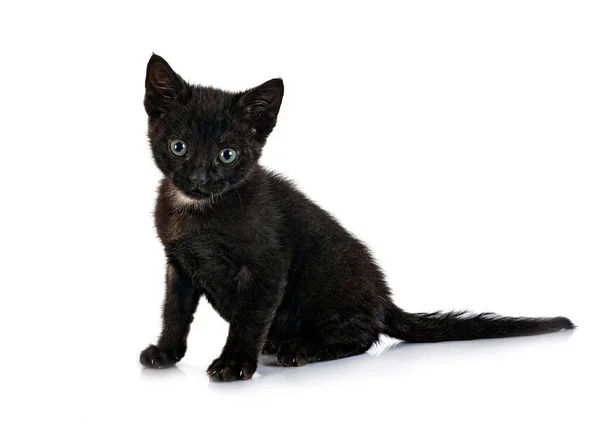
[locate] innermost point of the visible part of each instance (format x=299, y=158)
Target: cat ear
x=260, y=106
x=163, y=86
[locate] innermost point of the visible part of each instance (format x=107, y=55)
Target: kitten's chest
x=224, y=249
x=197, y=240
x=211, y=247
x=221, y=261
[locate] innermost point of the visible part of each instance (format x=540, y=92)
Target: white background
x=460, y=140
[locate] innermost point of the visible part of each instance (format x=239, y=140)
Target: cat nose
x=198, y=179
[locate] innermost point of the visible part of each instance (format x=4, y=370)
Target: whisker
x=240, y=197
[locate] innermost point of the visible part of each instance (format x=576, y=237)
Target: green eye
x=178, y=147
x=227, y=155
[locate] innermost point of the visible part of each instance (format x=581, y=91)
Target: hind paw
x=294, y=353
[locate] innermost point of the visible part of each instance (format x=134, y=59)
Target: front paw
x=156, y=357
x=232, y=367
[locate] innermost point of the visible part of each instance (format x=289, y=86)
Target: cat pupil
x=227, y=155
x=178, y=148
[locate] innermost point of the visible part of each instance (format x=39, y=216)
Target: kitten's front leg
x=181, y=300
x=247, y=332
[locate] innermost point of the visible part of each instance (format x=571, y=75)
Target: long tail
x=446, y=326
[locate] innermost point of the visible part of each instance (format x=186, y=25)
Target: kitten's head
x=205, y=140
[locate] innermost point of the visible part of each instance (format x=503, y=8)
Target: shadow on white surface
x=388, y=359
x=171, y=373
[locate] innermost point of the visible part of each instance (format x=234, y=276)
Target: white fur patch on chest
x=181, y=200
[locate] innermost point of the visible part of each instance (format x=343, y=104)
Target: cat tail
x=463, y=325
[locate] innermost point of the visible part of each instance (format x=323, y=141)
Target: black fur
x=284, y=273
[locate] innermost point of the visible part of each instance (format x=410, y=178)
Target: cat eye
x=227, y=155
x=178, y=147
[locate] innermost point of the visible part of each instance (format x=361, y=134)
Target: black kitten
x=282, y=271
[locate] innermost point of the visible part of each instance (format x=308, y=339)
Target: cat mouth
x=203, y=193
x=199, y=194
